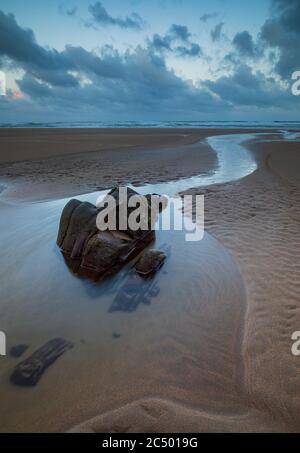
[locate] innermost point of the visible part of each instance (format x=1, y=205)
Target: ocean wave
x=156, y=124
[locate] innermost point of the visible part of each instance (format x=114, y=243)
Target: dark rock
x=65, y=220
x=105, y=254
x=150, y=262
x=77, y=223
x=18, y=350
x=116, y=335
x=29, y=372
x=97, y=254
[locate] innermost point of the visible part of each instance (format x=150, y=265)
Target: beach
x=212, y=352
x=41, y=164
x=257, y=219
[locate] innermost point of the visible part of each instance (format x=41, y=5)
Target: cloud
x=245, y=88
x=30, y=86
x=80, y=83
x=106, y=64
x=281, y=32
x=180, y=32
x=161, y=42
x=243, y=42
x=71, y=11
x=216, y=32
x=208, y=16
x=145, y=87
x=20, y=45
x=176, y=40
x=102, y=17
x=77, y=84
x=193, y=51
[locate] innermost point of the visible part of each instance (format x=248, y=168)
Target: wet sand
x=173, y=348
x=42, y=164
x=257, y=219
x=212, y=350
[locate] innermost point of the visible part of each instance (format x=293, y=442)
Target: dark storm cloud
x=20, y=45
x=208, y=16
x=216, y=32
x=180, y=32
x=146, y=85
x=107, y=64
x=50, y=66
x=161, y=42
x=243, y=42
x=109, y=82
x=81, y=84
x=244, y=88
x=33, y=88
x=102, y=17
x=282, y=33
x=177, y=40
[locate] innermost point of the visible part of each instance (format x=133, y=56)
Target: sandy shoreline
x=42, y=164
x=257, y=221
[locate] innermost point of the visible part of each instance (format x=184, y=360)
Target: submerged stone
x=18, y=350
x=150, y=262
x=116, y=335
x=29, y=372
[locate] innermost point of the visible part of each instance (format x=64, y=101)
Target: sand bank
x=211, y=353
x=41, y=164
x=257, y=219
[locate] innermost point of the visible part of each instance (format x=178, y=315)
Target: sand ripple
x=258, y=220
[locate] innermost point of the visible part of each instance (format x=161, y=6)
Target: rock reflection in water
x=137, y=289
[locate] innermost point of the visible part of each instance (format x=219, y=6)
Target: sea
x=157, y=124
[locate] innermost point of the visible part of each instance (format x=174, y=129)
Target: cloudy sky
x=149, y=60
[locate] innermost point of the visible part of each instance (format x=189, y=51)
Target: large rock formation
x=100, y=253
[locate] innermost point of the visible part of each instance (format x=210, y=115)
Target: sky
x=149, y=60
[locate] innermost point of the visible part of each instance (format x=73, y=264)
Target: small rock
x=18, y=350
x=150, y=262
x=29, y=372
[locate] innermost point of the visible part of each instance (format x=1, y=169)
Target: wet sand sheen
x=96, y=159
x=201, y=302
x=176, y=364
x=188, y=338
x=258, y=221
